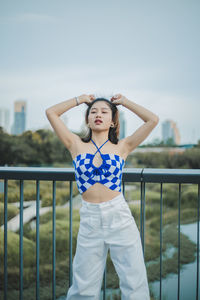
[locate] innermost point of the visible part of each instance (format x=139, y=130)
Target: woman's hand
x=118, y=99
x=86, y=98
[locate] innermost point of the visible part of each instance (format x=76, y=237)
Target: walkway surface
x=29, y=212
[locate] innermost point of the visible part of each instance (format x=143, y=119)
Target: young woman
x=106, y=221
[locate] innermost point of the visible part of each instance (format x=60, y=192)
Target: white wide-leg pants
x=108, y=225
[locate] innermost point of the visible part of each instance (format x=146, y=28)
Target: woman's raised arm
x=138, y=136
x=67, y=137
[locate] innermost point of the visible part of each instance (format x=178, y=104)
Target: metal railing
x=142, y=176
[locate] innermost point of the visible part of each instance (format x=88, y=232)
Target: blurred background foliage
x=43, y=148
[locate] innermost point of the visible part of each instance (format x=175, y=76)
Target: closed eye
x=104, y=112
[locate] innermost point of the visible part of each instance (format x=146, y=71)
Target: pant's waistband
x=111, y=202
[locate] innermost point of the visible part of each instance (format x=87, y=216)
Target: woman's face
x=100, y=111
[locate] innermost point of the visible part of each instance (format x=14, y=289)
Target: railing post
x=70, y=234
x=179, y=248
x=21, y=238
x=161, y=208
x=198, y=220
x=5, y=237
x=142, y=212
x=104, y=283
x=37, y=239
x=123, y=188
x=54, y=242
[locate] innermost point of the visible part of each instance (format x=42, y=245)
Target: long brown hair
x=113, y=131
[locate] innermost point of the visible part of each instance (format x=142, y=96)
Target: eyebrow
x=101, y=107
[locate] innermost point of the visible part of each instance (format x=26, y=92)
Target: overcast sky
x=147, y=50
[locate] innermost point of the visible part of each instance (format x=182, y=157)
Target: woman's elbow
x=48, y=111
x=156, y=119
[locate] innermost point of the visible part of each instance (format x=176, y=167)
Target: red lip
x=98, y=121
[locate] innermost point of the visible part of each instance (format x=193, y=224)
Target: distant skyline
x=66, y=117
x=146, y=50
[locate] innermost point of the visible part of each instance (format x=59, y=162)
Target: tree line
x=188, y=159
x=39, y=148
x=43, y=148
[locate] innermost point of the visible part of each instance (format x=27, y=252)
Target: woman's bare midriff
x=99, y=193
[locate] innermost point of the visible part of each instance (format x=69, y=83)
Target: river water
x=188, y=276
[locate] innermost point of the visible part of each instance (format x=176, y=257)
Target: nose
x=98, y=115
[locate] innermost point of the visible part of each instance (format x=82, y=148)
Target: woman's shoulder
x=119, y=148
x=79, y=146
x=123, y=148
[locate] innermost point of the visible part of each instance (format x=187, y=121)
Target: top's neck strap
x=100, y=146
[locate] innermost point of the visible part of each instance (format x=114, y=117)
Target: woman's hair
x=113, y=131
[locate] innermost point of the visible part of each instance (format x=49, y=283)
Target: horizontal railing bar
x=37, y=173
x=129, y=174
x=60, y=174
x=171, y=175
x=132, y=174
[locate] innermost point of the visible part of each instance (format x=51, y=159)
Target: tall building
x=122, y=130
x=170, y=131
x=19, y=124
x=5, y=119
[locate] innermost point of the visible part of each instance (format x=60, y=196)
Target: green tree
x=5, y=148
x=41, y=147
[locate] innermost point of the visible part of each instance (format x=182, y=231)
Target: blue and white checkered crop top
x=109, y=173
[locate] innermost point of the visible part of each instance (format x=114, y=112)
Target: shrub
x=12, y=211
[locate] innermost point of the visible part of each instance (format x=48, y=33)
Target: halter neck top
x=109, y=173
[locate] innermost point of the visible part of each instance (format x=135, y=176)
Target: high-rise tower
x=170, y=131
x=19, y=124
x=122, y=129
